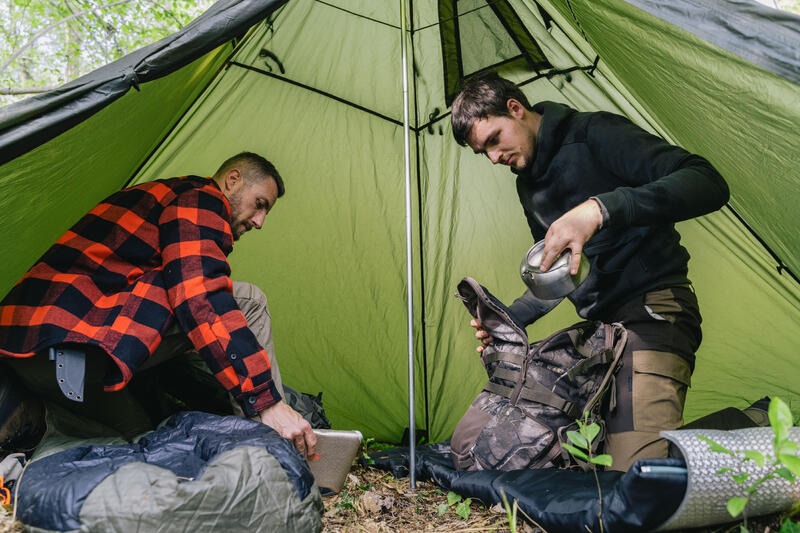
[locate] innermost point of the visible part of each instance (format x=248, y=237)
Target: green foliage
x=581, y=448
x=346, y=501
x=60, y=40
x=582, y=440
x=461, y=506
x=754, y=455
x=785, y=464
x=452, y=498
x=716, y=447
x=368, y=445
x=462, y=509
x=789, y=527
x=511, y=512
x=736, y=505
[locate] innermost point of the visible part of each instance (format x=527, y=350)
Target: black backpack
x=535, y=393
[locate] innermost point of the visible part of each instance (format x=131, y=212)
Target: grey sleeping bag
x=197, y=472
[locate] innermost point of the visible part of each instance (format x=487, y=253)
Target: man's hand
x=571, y=230
x=481, y=334
x=292, y=426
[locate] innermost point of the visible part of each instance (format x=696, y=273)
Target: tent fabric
x=757, y=33
x=195, y=472
x=317, y=89
x=566, y=501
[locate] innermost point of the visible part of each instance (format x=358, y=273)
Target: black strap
x=505, y=373
x=601, y=358
x=536, y=392
x=506, y=357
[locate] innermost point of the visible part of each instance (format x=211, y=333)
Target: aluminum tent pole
x=412, y=438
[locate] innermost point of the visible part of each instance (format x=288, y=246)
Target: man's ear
x=515, y=108
x=233, y=180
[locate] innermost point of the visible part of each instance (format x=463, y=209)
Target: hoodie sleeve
x=665, y=183
x=527, y=309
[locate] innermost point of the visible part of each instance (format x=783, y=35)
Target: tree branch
x=27, y=90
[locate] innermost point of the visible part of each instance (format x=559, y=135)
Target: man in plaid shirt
x=139, y=274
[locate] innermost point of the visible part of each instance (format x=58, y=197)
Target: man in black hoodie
x=598, y=185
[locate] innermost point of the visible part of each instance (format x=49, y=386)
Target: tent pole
x=412, y=437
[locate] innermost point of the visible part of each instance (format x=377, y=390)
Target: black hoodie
x=645, y=186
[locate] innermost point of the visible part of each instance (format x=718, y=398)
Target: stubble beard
x=235, y=202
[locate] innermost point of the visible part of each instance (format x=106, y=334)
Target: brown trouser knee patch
x=660, y=381
x=630, y=446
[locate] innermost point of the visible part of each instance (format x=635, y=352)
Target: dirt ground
x=373, y=501
x=7, y=524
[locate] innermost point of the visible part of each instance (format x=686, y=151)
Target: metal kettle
x=556, y=282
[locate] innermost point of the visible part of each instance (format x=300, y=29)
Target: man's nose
x=258, y=219
x=494, y=156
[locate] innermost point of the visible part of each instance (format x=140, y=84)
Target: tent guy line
x=549, y=74
x=781, y=266
x=412, y=30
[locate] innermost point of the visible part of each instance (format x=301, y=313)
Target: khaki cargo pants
x=663, y=334
x=120, y=412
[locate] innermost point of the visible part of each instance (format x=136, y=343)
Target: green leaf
x=780, y=418
x=789, y=527
x=786, y=474
x=786, y=446
x=443, y=507
x=452, y=498
x=715, y=446
x=578, y=439
x=792, y=462
x=740, y=478
x=591, y=431
x=604, y=460
x=462, y=509
x=575, y=451
x=756, y=456
x=723, y=470
x=736, y=506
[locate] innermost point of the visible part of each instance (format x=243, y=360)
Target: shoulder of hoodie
x=574, y=125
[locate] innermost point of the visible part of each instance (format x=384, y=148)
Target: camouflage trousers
x=663, y=334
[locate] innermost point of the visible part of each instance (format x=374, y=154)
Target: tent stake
x=412, y=437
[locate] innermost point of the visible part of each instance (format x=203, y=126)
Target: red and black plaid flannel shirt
x=117, y=279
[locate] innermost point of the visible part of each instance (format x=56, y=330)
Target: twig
x=27, y=90
x=531, y=520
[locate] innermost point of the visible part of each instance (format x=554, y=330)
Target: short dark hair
x=255, y=167
x=482, y=97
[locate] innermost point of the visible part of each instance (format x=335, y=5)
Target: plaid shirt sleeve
x=195, y=240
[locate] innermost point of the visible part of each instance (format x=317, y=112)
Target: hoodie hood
x=552, y=129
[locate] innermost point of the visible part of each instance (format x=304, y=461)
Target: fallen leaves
x=373, y=501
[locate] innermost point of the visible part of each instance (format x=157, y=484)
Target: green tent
x=316, y=86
